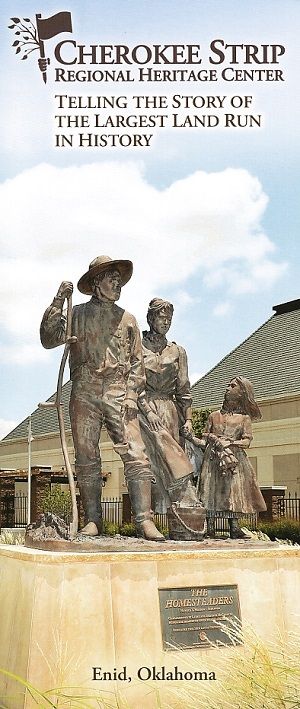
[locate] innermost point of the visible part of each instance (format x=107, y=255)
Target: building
x=48, y=467
x=270, y=359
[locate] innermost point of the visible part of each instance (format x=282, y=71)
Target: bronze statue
x=228, y=482
x=165, y=408
x=107, y=373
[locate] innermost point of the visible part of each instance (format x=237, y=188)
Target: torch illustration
x=31, y=38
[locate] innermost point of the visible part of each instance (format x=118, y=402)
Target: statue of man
x=107, y=373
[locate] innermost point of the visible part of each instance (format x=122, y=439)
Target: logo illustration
x=31, y=37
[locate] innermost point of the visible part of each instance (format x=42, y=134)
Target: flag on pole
x=51, y=26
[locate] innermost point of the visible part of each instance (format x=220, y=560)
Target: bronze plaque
x=199, y=616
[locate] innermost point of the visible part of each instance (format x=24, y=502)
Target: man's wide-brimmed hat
x=100, y=264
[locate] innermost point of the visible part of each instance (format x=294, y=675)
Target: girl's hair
x=248, y=404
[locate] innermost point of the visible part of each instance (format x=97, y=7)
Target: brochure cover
x=161, y=132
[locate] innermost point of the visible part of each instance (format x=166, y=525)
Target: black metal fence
x=221, y=522
x=21, y=507
x=112, y=510
x=289, y=506
x=161, y=520
x=14, y=509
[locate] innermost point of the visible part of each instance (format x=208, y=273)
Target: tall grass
x=255, y=675
x=17, y=538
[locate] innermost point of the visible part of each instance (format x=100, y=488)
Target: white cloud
x=182, y=301
x=56, y=220
x=222, y=309
x=6, y=427
x=194, y=376
x=22, y=352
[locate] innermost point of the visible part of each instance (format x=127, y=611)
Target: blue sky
x=209, y=216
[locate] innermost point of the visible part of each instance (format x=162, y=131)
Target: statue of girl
x=228, y=482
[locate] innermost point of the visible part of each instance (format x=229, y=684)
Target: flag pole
x=42, y=46
x=29, y=472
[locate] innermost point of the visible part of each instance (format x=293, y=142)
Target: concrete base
x=63, y=614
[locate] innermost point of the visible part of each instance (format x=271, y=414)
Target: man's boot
x=90, y=487
x=140, y=497
x=235, y=531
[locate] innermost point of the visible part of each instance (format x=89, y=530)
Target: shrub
x=110, y=528
x=128, y=530
x=283, y=528
x=162, y=528
x=250, y=522
x=58, y=502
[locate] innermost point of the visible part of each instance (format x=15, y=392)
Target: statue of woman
x=228, y=482
x=165, y=408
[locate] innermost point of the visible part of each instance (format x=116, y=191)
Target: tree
x=199, y=418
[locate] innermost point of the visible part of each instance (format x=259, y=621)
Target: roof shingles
x=269, y=358
x=44, y=420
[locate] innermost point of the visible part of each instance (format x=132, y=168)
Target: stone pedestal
x=61, y=614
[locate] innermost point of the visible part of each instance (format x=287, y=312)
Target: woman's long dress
x=167, y=393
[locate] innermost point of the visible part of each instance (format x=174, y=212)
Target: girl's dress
x=237, y=492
